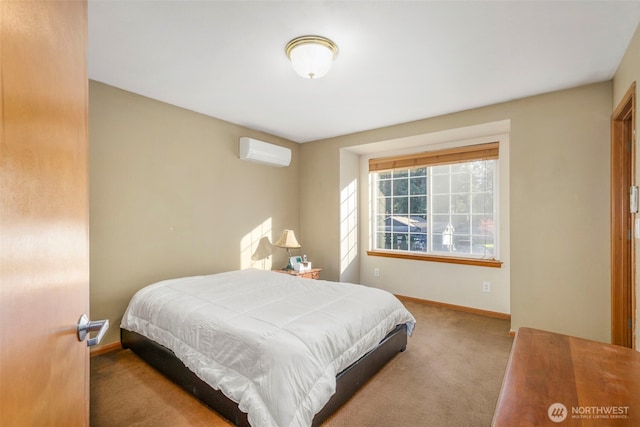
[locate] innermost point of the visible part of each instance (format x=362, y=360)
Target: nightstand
x=314, y=273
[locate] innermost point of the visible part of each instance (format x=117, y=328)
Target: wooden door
x=622, y=228
x=44, y=237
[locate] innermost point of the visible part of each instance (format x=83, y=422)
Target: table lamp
x=288, y=241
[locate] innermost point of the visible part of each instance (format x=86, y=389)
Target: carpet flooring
x=450, y=375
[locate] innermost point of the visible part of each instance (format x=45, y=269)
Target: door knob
x=85, y=326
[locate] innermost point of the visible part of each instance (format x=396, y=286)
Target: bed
x=263, y=348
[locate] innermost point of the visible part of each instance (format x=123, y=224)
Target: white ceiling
x=399, y=60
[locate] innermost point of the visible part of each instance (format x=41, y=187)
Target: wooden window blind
x=467, y=153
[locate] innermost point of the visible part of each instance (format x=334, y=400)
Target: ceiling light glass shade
x=311, y=56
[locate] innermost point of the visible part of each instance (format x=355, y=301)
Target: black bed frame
x=347, y=381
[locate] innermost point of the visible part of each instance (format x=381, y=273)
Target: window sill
x=435, y=258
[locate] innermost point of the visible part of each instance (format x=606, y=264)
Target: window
x=438, y=203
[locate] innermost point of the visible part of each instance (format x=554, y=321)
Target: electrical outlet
x=486, y=286
x=376, y=272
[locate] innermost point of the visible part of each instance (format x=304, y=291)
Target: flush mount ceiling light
x=311, y=56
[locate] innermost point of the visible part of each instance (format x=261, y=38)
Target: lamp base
x=289, y=266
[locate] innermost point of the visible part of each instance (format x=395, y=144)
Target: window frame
x=461, y=154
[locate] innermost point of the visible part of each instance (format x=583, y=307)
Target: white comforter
x=270, y=342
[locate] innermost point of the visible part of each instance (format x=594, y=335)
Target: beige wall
x=629, y=72
x=169, y=197
x=350, y=218
x=559, y=208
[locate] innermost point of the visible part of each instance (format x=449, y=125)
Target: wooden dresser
x=314, y=273
x=558, y=380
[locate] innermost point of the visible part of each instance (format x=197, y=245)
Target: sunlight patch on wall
x=256, y=247
x=371, y=211
x=348, y=224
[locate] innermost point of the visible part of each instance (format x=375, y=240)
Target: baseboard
x=456, y=307
x=106, y=348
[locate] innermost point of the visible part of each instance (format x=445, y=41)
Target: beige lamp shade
x=288, y=240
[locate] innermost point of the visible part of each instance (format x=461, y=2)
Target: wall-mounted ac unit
x=263, y=152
